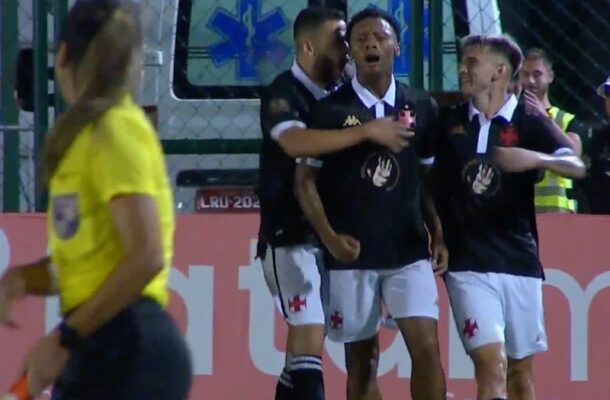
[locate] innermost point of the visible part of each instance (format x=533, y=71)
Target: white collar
x=302, y=77
x=506, y=112
x=369, y=99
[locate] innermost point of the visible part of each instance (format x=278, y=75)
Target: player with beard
x=366, y=204
x=489, y=154
x=285, y=245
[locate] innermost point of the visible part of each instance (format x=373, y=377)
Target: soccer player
x=111, y=225
x=285, y=246
x=285, y=243
x=365, y=203
x=488, y=158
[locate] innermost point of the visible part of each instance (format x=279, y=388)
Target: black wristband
x=69, y=337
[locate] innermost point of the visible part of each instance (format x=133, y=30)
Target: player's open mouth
x=372, y=59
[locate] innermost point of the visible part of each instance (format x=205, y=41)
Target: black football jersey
x=488, y=216
x=369, y=192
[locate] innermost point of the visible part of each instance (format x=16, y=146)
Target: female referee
x=110, y=228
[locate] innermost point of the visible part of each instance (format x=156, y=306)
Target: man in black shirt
x=289, y=261
x=599, y=174
x=489, y=154
x=365, y=203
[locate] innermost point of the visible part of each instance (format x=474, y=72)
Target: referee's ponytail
x=102, y=42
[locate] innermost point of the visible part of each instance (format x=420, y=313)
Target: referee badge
x=66, y=217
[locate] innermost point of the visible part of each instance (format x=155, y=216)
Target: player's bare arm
x=35, y=279
x=440, y=254
x=342, y=247
x=302, y=142
x=549, y=139
x=136, y=219
x=569, y=166
x=515, y=159
x=31, y=279
x=576, y=143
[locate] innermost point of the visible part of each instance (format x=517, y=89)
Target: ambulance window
x=229, y=48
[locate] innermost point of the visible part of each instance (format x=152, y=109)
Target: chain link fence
x=17, y=169
x=575, y=35
x=206, y=59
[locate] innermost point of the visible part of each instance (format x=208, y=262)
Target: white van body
x=227, y=55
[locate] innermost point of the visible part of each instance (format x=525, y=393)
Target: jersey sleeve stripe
x=426, y=161
x=564, y=151
x=282, y=127
x=314, y=162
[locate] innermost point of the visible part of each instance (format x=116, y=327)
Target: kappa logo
x=351, y=120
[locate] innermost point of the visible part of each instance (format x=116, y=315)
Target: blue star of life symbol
x=247, y=37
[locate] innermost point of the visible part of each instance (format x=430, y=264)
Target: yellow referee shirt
x=122, y=157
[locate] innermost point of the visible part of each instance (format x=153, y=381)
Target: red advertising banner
x=221, y=302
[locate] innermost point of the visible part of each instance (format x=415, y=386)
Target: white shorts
x=498, y=308
x=353, y=299
x=293, y=278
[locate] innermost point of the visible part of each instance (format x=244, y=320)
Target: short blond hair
x=503, y=45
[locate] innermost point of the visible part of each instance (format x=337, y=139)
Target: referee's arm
x=35, y=279
x=137, y=221
x=128, y=184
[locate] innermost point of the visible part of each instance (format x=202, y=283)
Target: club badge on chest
x=407, y=117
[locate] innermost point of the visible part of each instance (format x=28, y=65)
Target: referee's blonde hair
x=103, y=48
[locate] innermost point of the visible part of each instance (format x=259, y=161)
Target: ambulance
x=205, y=60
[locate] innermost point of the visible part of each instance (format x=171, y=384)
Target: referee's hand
x=388, y=133
x=9, y=293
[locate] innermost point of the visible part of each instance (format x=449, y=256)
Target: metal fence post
x=416, y=75
x=9, y=114
x=41, y=100
x=436, y=45
x=60, y=9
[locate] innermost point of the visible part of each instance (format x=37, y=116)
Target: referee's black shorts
x=139, y=355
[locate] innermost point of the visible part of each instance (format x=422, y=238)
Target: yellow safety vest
x=552, y=192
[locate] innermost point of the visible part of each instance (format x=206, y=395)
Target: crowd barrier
x=221, y=303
